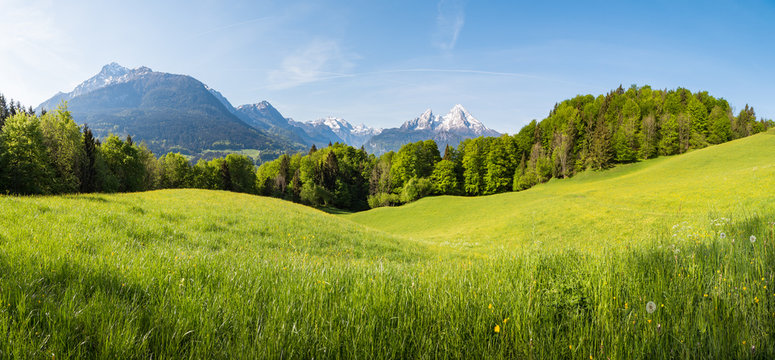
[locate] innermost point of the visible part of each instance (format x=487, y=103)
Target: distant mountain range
x=457, y=125
x=170, y=113
x=177, y=113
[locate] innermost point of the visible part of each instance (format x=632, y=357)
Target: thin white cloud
x=317, y=61
x=450, y=18
x=33, y=49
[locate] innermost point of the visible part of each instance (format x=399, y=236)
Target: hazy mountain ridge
x=179, y=113
x=168, y=112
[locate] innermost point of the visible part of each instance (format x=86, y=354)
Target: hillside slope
x=208, y=274
x=614, y=207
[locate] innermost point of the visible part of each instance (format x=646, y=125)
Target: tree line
x=50, y=154
x=585, y=132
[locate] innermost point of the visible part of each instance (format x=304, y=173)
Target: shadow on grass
x=94, y=198
x=335, y=211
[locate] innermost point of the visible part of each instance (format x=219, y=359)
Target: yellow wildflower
x=497, y=328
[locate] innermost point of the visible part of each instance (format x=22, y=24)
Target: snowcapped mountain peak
x=459, y=119
x=363, y=130
x=262, y=105
x=426, y=121
x=259, y=106
x=110, y=74
x=334, y=123
x=113, y=69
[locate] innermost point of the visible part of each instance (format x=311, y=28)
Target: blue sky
x=382, y=63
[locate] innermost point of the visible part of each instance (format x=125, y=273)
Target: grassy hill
x=207, y=274
x=593, y=210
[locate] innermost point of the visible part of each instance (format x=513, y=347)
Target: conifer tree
x=296, y=186
x=226, y=177
x=448, y=155
x=600, y=147
x=330, y=171
x=669, y=145
x=89, y=165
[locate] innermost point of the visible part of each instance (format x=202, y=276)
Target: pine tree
x=3, y=110
x=684, y=133
x=226, y=177
x=330, y=171
x=312, y=149
x=281, y=180
x=89, y=169
x=296, y=186
x=648, y=137
x=600, y=148
x=669, y=145
x=448, y=153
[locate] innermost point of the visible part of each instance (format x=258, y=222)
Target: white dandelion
x=723, y=235
x=753, y=239
x=651, y=307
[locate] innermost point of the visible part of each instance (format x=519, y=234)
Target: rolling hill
x=638, y=261
x=616, y=207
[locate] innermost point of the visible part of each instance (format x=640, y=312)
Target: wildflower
x=723, y=235
x=570, y=347
x=625, y=305
x=490, y=307
x=497, y=328
x=505, y=320
x=651, y=307
x=753, y=239
x=649, y=320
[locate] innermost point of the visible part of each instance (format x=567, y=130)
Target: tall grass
x=563, y=270
x=200, y=274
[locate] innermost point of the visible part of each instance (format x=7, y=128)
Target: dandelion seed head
x=753, y=239
x=651, y=307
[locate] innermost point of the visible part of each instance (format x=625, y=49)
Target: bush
x=416, y=188
x=383, y=199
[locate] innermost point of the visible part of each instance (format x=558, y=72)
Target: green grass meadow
x=563, y=270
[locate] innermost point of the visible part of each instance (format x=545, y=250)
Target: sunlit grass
x=596, y=210
x=207, y=274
